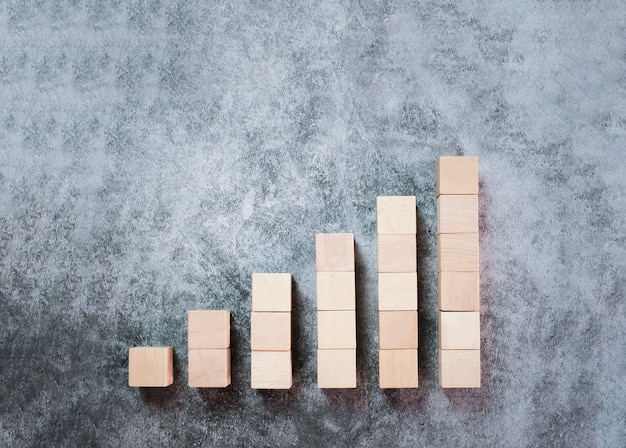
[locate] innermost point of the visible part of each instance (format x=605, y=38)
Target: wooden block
x=336, y=329
x=271, y=292
x=459, y=330
x=336, y=291
x=397, y=329
x=334, y=252
x=396, y=215
x=457, y=213
x=150, y=366
x=209, y=368
x=458, y=252
x=208, y=329
x=271, y=370
x=336, y=369
x=398, y=369
x=459, y=368
x=397, y=291
x=457, y=175
x=270, y=331
x=397, y=253
x=459, y=291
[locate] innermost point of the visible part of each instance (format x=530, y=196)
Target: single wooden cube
x=459, y=330
x=457, y=213
x=209, y=368
x=336, y=329
x=397, y=329
x=457, y=175
x=271, y=370
x=458, y=252
x=334, y=252
x=336, y=369
x=459, y=368
x=271, y=291
x=397, y=253
x=150, y=366
x=336, y=291
x=270, y=331
x=459, y=291
x=396, y=215
x=208, y=329
x=397, y=291
x=398, y=369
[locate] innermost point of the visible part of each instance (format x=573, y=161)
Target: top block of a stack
x=208, y=329
x=396, y=215
x=271, y=292
x=457, y=175
x=334, y=252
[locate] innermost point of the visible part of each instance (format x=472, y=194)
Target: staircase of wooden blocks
x=336, y=310
x=397, y=291
x=458, y=267
x=150, y=366
x=209, y=348
x=270, y=331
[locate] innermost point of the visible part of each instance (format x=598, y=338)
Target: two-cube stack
x=209, y=348
x=458, y=266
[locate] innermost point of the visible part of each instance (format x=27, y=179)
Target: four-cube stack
x=209, y=348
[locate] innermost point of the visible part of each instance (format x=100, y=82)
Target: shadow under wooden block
x=334, y=252
x=397, y=291
x=336, y=330
x=459, y=291
x=208, y=329
x=209, y=368
x=459, y=368
x=457, y=213
x=459, y=330
x=458, y=252
x=150, y=366
x=271, y=291
x=270, y=331
x=397, y=330
x=457, y=175
x=398, y=369
x=336, y=369
x=336, y=291
x=397, y=253
x=396, y=215
x=271, y=370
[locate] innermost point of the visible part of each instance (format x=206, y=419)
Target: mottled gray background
x=154, y=154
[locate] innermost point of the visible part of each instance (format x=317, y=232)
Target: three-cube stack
x=397, y=291
x=209, y=348
x=458, y=266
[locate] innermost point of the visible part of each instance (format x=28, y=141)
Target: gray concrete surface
x=154, y=154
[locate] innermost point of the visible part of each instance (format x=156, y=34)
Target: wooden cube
x=396, y=215
x=459, y=291
x=397, y=253
x=457, y=175
x=459, y=330
x=270, y=331
x=150, y=366
x=458, y=252
x=397, y=329
x=398, y=369
x=271, y=370
x=271, y=292
x=336, y=369
x=459, y=368
x=336, y=329
x=208, y=329
x=336, y=291
x=209, y=368
x=397, y=291
x=457, y=213
x=334, y=252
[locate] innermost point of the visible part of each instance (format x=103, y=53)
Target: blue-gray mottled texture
x=154, y=154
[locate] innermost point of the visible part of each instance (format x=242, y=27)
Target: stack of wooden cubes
x=150, y=366
x=397, y=291
x=209, y=348
x=270, y=331
x=459, y=298
x=336, y=315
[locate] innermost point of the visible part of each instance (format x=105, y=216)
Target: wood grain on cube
x=458, y=252
x=397, y=253
x=336, y=291
x=334, y=252
x=459, y=330
x=336, y=329
x=270, y=331
x=459, y=368
x=457, y=175
x=396, y=215
x=271, y=292
x=271, y=370
x=397, y=291
x=457, y=213
x=397, y=329
x=209, y=368
x=336, y=369
x=208, y=329
x=150, y=366
x=459, y=291
x=398, y=369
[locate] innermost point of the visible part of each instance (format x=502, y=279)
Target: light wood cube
x=457, y=175
x=208, y=329
x=397, y=329
x=336, y=369
x=271, y=370
x=459, y=330
x=459, y=368
x=334, y=252
x=458, y=252
x=397, y=291
x=271, y=291
x=396, y=215
x=397, y=253
x=457, y=213
x=270, y=331
x=398, y=369
x=336, y=329
x=459, y=291
x=336, y=291
x=209, y=368
x=150, y=366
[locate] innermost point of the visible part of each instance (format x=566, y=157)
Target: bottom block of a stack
x=271, y=370
x=150, y=366
x=209, y=368
x=336, y=369
x=398, y=369
x=459, y=368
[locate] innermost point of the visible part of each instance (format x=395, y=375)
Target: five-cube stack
x=209, y=348
x=458, y=266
